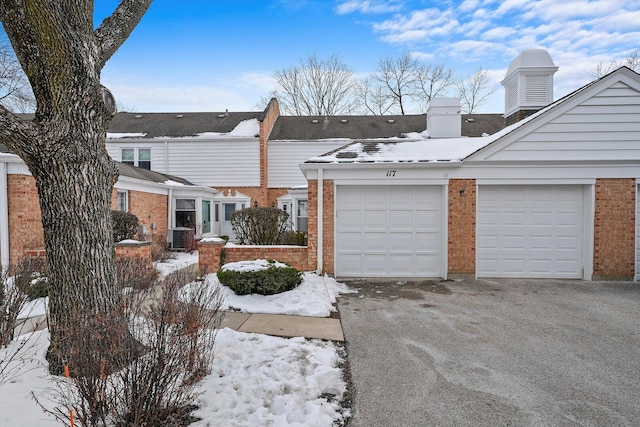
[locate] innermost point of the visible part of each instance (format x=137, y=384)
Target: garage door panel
x=375, y=264
x=428, y=221
x=375, y=221
x=374, y=242
x=427, y=242
x=349, y=221
x=350, y=264
x=400, y=220
x=538, y=233
x=400, y=231
x=401, y=242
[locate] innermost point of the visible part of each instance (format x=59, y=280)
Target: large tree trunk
x=75, y=198
x=64, y=148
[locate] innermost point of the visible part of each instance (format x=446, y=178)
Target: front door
x=227, y=210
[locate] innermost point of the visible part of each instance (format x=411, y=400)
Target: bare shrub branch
x=153, y=378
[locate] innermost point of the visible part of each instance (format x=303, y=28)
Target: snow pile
x=255, y=265
x=278, y=385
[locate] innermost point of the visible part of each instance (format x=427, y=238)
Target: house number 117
x=391, y=173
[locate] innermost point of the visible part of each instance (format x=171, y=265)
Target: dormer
x=528, y=84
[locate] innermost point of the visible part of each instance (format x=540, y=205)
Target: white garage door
x=638, y=235
x=389, y=231
x=530, y=231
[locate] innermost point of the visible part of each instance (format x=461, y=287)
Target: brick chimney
x=444, y=119
x=528, y=84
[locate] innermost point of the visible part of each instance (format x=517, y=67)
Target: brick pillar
x=136, y=250
x=209, y=251
x=462, y=228
x=614, y=229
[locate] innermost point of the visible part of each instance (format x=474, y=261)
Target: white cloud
x=368, y=6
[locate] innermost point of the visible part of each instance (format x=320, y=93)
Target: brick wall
x=327, y=224
x=462, y=227
x=294, y=255
x=209, y=251
x=614, y=231
x=25, y=223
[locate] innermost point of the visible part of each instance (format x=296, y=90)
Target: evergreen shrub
x=271, y=277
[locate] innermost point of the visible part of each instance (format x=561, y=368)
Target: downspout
x=319, y=221
x=4, y=217
x=169, y=210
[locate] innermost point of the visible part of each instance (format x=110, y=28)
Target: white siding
x=213, y=163
x=603, y=127
x=216, y=163
x=285, y=156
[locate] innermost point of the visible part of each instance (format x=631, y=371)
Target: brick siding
x=327, y=225
x=462, y=227
x=25, y=223
x=614, y=231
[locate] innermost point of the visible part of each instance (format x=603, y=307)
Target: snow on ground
x=180, y=260
x=256, y=379
x=315, y=297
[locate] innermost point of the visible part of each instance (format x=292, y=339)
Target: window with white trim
x=140, y=157
x=186, y=213
x=122, y=201
x=302, y=216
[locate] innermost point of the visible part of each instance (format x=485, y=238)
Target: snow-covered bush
x=264, y=277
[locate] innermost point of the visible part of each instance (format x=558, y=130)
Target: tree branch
x=16, y=134
x=116, y=28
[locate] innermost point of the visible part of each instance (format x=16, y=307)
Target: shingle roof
x=148, y=175
x=178, y=124
x=308, y=128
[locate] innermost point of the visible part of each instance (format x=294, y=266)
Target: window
x=186, y=213
x=122, y=201
x=140, y=157
x=301, y=216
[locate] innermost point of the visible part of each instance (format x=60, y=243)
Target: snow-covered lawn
x=256, y=380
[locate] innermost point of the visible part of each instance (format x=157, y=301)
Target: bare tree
x=631, y=61
x=373, y=98
x=315, y=87
x=398, y=76
x=474, y=90
x=15, y=91
x=432, y=81
x=62, y=55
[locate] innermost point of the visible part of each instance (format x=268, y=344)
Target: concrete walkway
x=284, y=326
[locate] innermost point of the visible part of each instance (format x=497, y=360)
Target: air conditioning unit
x=181, y=239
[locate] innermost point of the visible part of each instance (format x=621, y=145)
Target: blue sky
x=210, y=55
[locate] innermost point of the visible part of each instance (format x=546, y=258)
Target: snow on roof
x=417, y=147
x=119, y=135
x=246, y=128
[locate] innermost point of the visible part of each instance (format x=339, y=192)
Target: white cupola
x=528, y=84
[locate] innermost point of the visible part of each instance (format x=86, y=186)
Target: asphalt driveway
x=494, y=353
